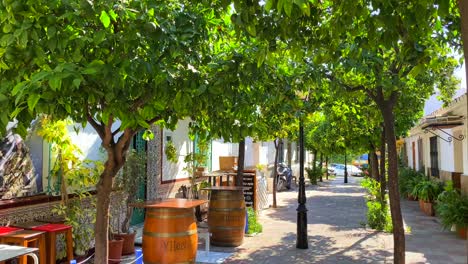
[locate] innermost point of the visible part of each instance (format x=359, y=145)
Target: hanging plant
x=171, y=153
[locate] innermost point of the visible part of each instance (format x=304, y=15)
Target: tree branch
x=98, y=127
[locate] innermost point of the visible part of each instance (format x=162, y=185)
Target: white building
x=438, y=145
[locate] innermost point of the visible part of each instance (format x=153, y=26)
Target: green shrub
x=254, y=225
x=407, y=179
x=378, y=214
x=313, y=175
x=452, y=207
x=427, y=190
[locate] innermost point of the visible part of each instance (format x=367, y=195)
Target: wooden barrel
x=169, y=236
x=226, y=218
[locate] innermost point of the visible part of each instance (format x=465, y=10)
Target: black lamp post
x=302, y=240
x=345, y=168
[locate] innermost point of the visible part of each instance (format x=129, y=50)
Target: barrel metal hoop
x=160, y=216
x=169, y=235
x=227, y=227
x=185, y=262
x=225, y=209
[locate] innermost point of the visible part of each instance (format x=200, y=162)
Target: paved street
x=337, y=232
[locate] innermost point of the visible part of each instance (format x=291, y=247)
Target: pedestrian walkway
x=337, y=232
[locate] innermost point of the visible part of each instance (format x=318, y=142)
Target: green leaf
x=76, y=83
x=32, y=101
x=251, y=29
x=444, y=6
x=279, y=5
x=143, y=123
x=269, y=5
x=3, y=98
x=39, y=76
x=18, y=87
x=260, y=59
x=105, y=19
x=113, y=15
x=416, y=70
x=148, y=135
x=288, y=5
x=7, y=28
x=17, y=111
x=55, y=83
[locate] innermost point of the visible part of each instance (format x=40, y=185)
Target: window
x=434, y=157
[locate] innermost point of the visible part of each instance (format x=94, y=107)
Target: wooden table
x=170, y=230
x=226, y=215
x=215, y=178
x=10, y=252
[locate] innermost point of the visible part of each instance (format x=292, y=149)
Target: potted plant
x=128, y=181
x=115, y=248
x=452, y=208
x=427, y=191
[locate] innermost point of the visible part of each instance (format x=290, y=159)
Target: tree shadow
x=321, y=250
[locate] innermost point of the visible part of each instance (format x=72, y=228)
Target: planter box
x=412, y=198
x=427, y=208
x=461, y=231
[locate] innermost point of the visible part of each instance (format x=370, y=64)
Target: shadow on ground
x=321, y=250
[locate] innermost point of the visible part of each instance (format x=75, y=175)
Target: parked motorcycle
x=284, y=177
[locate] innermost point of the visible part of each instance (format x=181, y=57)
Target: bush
x=254, y=225
x=313, y=175
x=407, y=179
x=427, y=190
x=452, y=207
x=378, y=214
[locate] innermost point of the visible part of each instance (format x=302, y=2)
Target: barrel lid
x=225, y=188
x=170, y=203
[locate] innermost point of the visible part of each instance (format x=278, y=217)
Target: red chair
x=26, y=238
x=52, y=230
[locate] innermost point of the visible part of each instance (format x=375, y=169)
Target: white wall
x=88, y=141
x=183, y=145
x=445, y=152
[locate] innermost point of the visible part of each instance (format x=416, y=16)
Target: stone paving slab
x=337, y=232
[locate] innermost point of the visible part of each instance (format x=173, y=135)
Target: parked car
x=352, y=170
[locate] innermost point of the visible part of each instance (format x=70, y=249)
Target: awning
x=442, y=122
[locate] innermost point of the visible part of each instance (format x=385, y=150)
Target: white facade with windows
x=438, y=145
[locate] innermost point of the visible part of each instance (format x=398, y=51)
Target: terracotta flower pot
x=461, y=231
x=128, y=242
x=412, y=198
x=427, y=207
x=115, y=250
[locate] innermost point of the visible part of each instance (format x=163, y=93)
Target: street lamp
x=302, y=240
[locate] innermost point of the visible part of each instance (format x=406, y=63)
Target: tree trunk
x=320, y=167
x=326, y=162
x=101, y=228
x=275, y=172
x=383, y=177
x=289, y=154
x=374, y=164
x=240, y=163
x=386, y=107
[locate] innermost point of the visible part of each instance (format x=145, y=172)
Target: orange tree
x=382, y=49
x=117, y=65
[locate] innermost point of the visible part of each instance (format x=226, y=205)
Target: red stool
x=26, y=238
x=51, y=236
x=8, y=229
